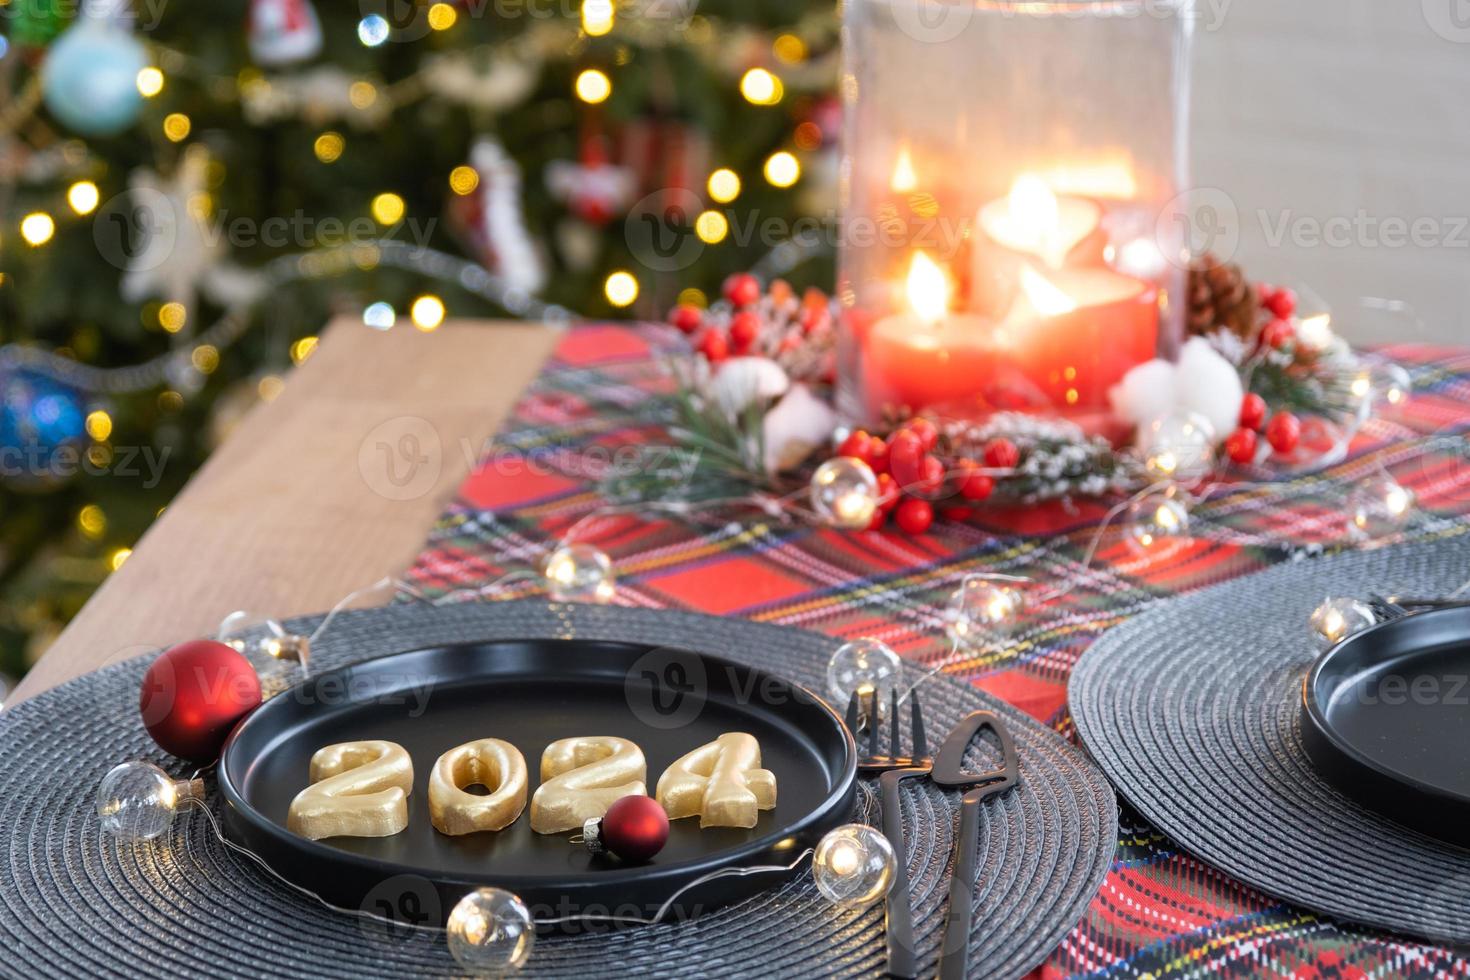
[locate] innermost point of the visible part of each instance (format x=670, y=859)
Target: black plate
x=531, y=693
x=1386, y=718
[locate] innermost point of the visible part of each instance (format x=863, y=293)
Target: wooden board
x=328, y=488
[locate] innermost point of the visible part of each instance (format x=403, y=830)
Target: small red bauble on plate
x=635, y=828
x=193, y=695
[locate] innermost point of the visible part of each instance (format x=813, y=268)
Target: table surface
x=328, y=488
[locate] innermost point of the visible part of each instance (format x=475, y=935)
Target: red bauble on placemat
x=193, y=695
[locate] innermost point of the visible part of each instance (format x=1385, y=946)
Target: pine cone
x=1220, y=296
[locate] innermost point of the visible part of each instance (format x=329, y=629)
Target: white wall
x=1319, y=110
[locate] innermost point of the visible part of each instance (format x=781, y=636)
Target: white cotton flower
x=796, y=426
x=740, y=381
x=1206, y=383
x=1146, y=393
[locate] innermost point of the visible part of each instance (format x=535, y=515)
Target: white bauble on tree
x=283, y=32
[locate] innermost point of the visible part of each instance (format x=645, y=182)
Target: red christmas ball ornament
x=915, y=516
x=745, y=327
x=193, y=695
x=1278, y=333
x=1252, y=412
x=1284, y=432
x=687, y=318
x=1281, y=303
x=635, y=828
x=1241, y=444
x=742, y=289
x=1001, y=454
x=714, y=346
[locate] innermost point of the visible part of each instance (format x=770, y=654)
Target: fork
x=892, y=769
x=949, y=771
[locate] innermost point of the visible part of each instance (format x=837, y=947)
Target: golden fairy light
x=782, y=169
x=99, y=425
x=329, y=146
x=442, y=16
x=388, y=208
x=302, y=349
x=760, y=87
x=463, y=180
x=621, y=288
x=711, y=227
x=37, y=228
x=724, y=185
x=83, y=197
x=593, y=86
x=177, y=126
x=427, y=313
x=118, y=557
x=149, y=82
x=172, y=316
x=597, y=17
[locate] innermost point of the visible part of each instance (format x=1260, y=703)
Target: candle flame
x=1043, y=294
x=928, y=289
x=905, y=181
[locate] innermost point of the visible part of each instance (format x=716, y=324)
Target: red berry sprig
x=1284, y=432
x=794, y=331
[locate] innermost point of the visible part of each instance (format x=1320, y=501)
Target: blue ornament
x=90, y=78
x=43, y=426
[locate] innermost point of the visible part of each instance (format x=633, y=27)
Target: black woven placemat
x=78, y=903
x=1192, y=709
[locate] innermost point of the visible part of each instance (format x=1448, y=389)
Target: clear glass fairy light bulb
x=263, y=640
x=980, y=606
x=1156, y=517
x=1379, y=508
x=1179, y=446
x=845, y=493
x=853, y=866
x=580, y=573
x=1337, y=619
x=866, y=667
x=491, y=932
x=137, y=800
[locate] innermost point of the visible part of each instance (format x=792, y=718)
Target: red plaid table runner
x=1160, y=912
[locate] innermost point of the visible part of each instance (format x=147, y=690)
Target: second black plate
x=1386, y=717
x=531, y=693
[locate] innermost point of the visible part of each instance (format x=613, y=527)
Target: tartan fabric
x=1160, y=913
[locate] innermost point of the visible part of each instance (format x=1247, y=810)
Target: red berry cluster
x=1283, y=430
x=912, y=476
x=1281, y=304
x=775, y=324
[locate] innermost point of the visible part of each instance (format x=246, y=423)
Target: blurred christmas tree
x=188, y=191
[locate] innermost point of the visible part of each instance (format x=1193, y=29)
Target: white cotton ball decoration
x=742, y=381
x=1146, y=393
x=1207, y=384
x=799, y=424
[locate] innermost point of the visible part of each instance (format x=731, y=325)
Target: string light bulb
x=380, y=316
x=373, y=30
x=137, y=801
x=579, y=573
x=853, y=866
x=442, y=16
x=177, y=126
x=593, y=86
x=388, y=208
x=149, y=82
x=1155, y=518
x=866, y=667
x=760, y=87
x=1179, y=446
x=724, y=185
x=119, y=557
x=37, y=228
x=427, y=313
x=711, y=227
x=264, y=641
x=597, y=17
x=83, y=197
x=303, y=349
x=1379, y=507
x=99, y=425
x=490, y=932
x=328, y=147
x=980, y=606
x=463, y=180
x=621, y=288
x=1337, y=619
x=844, y=493
x=782, y=169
